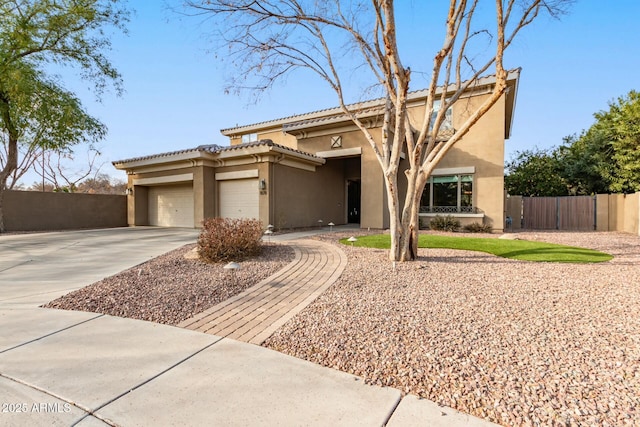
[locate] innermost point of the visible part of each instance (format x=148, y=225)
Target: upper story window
x=249, y=137
x=448, y=194
x=447, y=123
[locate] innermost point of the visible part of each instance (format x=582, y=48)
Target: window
x=249, y=137
x=448, y=194
x=447, y=123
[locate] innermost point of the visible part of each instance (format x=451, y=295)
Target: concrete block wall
x=38, y=211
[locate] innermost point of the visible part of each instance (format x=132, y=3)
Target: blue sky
x=174, y=88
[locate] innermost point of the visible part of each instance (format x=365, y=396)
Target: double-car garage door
x=173, y=205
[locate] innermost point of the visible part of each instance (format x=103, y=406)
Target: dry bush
x=225, y=239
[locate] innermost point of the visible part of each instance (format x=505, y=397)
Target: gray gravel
x=171, y=288
x=514, y=342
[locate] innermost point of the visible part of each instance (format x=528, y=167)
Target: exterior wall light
x=262, y=185
x=129, y=191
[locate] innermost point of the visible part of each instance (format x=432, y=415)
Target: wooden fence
x=559, y=213
x=603, y=212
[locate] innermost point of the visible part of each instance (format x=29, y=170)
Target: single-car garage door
x=239, y=198
x=171, y=205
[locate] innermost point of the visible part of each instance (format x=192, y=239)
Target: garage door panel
x=171, y=206
x=239, y=198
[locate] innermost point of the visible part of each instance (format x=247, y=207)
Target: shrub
x=225, y=239
x=444, y=223
x=423, y=223
x=476, y=227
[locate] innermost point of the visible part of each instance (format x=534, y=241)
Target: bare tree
x=102, y=183
x=266, y=40
x=57, y=169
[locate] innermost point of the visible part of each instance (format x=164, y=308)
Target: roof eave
x=513, y=81
x=160, y=159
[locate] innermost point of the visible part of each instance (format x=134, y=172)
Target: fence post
x=595, y=213
x=557, y=213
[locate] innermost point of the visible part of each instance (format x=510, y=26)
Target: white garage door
x=171, y=206
x=239, y=198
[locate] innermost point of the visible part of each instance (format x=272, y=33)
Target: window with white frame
x=448, y=194
x=249, y=137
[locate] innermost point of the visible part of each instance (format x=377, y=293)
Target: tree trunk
x=411, y=227
x=12, y=155
x=395, y=226
x=2, y=227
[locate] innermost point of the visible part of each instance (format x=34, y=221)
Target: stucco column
x=138, y=206
x=265, y=197
x=373, y=197
x=203, y=194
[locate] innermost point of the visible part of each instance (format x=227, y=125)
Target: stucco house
x=294, y=171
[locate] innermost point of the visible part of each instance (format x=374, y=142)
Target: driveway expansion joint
x=50, y=334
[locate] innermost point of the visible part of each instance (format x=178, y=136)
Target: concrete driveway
x=37, y=268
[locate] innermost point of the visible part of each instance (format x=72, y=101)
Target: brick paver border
x=253, y=315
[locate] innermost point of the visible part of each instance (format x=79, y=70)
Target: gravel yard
x=514, y=342
x=171, y=288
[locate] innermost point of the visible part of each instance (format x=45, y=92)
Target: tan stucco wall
x=602, y=212
x=301, y=198
x=138, y=204
x=373, y=207
x=264, y=172
x=619, y=212
x=36, y=211
x=483, y=148
x=631, y=213
x=275, y=134
x=204, y=194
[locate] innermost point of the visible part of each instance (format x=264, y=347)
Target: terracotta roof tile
x=210, y=148
x=214, y=149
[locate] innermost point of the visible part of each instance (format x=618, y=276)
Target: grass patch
x=524, y=250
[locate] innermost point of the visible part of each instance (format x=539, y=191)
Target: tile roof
x=215, y=149
x=209, y=148
x=334, y=112
x=265, y=142
x=337, y=118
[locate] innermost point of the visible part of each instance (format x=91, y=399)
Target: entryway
x=353, y=201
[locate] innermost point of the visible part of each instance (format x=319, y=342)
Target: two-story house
x=299, y=170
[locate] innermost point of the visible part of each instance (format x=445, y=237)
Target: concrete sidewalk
x=74, y=368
